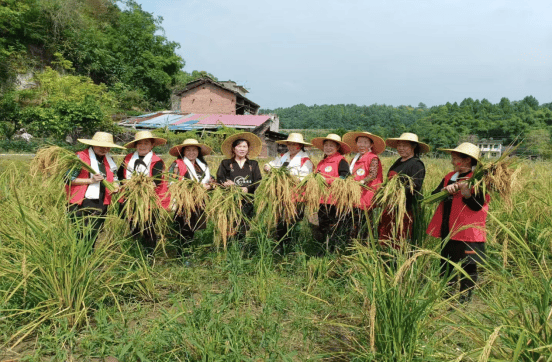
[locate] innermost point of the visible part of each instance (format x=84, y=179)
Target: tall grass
x=65, y=301
x=48, y=272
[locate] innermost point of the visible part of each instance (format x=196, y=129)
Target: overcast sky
x=364, y=52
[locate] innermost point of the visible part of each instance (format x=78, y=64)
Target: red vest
x=329, y=168
x=464, y=223
x=182, y=168
x=360, y=171
x=162, y=189
x=75, y=193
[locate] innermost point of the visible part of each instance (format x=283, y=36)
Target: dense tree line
x=440, y=126
x=115, y=43
x=85, y=62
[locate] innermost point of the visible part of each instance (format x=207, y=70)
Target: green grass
x=249, y=303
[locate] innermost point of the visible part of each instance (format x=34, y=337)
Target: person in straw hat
x=239, y=168
x=296, y=159
x=409, y=164
x=190, y=164
x=460, y=220
x=299, y=164
x=146, y=162
x=365, y=167
x=332, y=166
x=87, y=194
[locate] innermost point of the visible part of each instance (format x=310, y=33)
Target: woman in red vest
x=88, y=197
x=409, y=164
x=146, y=162
x=460, y=220
x=331, y=225
x=190, y=164
x=365, y=168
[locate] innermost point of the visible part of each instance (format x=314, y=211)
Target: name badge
x=328, y=169
x=361, y=172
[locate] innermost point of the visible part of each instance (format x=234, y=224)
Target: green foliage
x=440, y=126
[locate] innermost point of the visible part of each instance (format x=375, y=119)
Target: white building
x=490, y=148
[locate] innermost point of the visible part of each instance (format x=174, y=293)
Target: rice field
x=62, y=301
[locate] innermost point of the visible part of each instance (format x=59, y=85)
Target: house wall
x=208, y=98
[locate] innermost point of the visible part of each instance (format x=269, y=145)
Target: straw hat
x=318, y=142
x=255, y=144
x=144, y=135
x=294, y=138
x=411, y=137
x=466, y=148
x=205, y=150
x=378, y=144
x=100, y=139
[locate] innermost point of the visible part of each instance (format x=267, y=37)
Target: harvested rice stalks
x=225, y=210
x=311, y=191
x=391, y=197
x=189, y=197
x=499, y=176
x=346, y=194
x=276, y=199
x=55, y=161
x=141, y=207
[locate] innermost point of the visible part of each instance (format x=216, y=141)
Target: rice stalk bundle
x=391, y=197
x=224, y=208
x=311, y=190
x=52, y=161
x=346, y=194
x=141, y=207
x=499, y=176
x=188, y=197
x=276, y=199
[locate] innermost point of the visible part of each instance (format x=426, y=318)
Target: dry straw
x=188, y=197
x=346, y=195
x=391, y=196
x=55, y=161
x=276, y=198
x=224, y=209
x=141, y=207
x=311, y=191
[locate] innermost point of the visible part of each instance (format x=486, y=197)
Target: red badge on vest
x=328, y=169
x=360, y=172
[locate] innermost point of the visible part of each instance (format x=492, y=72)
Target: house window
x=493, y=154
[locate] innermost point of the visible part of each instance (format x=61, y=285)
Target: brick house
x=208, y=96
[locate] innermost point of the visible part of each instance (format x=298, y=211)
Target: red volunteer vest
x=464, y=223
x=162, y=189
x=360, y=171
x=329, y=168
x=75, y=193
x=182, y=168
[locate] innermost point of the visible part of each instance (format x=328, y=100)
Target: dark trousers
x=187, y=229
x=335, y=229
x=148, y=237
x=468, y=255
x=90, y=213
x=283, y=229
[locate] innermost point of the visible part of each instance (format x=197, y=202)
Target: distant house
x=490, y=148
x=206, y=104
x=206, y=95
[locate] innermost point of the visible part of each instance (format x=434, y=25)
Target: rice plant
x=188, y=197
x=224, y=209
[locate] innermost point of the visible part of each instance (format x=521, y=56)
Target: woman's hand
x=459, y=186
x=96, y=178
x=228, y=183
x=207, y=186
x=244, y=189
x=267, y=167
